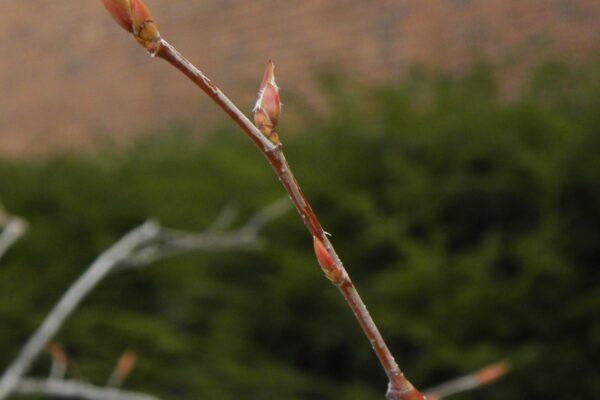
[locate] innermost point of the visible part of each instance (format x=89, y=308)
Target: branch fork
x=140, y=247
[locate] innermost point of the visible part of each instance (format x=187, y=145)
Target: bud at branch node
x=332, y=271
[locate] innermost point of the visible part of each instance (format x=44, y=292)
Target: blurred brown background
x=69, y=76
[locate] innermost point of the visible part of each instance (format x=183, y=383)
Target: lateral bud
x=134, y=17
x=268, y=105
x=332, y=271
x=58, y=354
x=492, y=372
x=125, y=365
x=60, y=360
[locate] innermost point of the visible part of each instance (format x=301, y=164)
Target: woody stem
x=399, y=387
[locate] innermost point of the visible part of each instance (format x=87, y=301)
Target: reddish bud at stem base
x=332, y=271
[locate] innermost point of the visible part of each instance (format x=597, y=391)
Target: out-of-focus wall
x=69, y=75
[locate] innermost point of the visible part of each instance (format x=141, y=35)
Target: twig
x=14, y=228
x=266, y=215
x=71, y=299
x=225, y=219
x=172, y=242
x=472, y=381
x=399, y=387
x=143, y=245
x=135, y=18
x=76, y=389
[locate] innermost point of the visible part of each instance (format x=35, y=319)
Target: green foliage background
x=470, y=224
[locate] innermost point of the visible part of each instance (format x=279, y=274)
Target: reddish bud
x=325, y=260
x=332, y=271
x=134, y=17
x=57, y=353
x=271, y=103
x=263, y=123
x=144, y=27
x=121, y=12
x=125, y=365
x=268, y=105
x=492, y=373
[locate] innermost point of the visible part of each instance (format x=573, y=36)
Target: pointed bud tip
x=269, y=75
x=121, y=12
x=323, y=256
x=268, y=105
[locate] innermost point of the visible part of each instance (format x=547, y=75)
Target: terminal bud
x=134, y=17
x=268, y=105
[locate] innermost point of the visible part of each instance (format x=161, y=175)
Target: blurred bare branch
x=75, y=389
x=225, y=219
x=171, y=242
x=140, y=236
x=143, y=245
x=482, y=377
x=266, y=215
